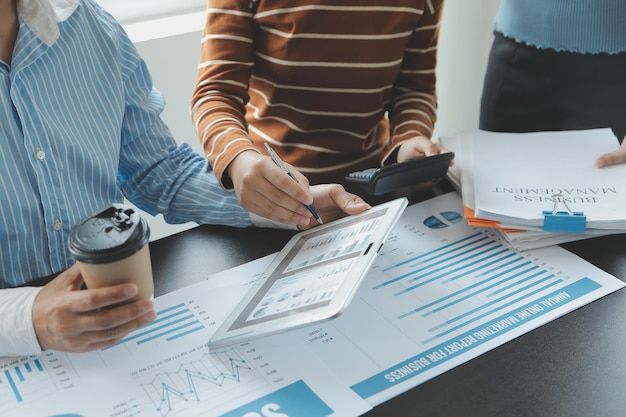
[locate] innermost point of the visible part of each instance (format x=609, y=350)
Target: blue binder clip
x=563, y=221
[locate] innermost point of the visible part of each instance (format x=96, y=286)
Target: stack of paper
x=539, y=189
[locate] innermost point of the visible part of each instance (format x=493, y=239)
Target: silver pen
x=282, y=166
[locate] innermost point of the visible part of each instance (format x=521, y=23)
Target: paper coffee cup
x=111, y=247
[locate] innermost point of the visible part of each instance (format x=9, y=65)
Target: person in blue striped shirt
x=80, y=129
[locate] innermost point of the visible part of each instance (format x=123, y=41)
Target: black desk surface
x=572, y=366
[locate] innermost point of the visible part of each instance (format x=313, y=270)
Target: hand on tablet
x=332, y=202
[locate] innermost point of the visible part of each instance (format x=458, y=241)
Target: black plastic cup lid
x=110, y=235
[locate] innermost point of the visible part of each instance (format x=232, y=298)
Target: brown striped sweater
x=323, y=81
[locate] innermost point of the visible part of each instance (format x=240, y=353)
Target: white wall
x=466, y=36
x=136, y=11
x=172, y=62
x=171, y=48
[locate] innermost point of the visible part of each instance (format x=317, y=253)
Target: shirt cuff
x=263, y=222
x=17, y=331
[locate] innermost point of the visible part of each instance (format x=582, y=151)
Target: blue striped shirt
x=80, y=128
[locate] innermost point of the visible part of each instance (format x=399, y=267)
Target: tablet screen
x=313, y=277
x=312, y=271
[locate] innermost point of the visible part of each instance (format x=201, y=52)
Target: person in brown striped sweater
x=334, y=86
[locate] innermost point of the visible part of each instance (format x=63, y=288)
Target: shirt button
x=57, y=225
x=40, y=155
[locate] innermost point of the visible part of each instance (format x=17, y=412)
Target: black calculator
x=377, y=181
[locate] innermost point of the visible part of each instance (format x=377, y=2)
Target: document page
x=442, y=293
x=166, y=370
x=518, y=176
x=526, y=236
x=439, y=294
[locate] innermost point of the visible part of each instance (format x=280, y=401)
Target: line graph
x=196, y=381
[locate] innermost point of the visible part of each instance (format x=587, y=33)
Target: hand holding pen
x=282, y=166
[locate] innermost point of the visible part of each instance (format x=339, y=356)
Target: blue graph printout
x=439, y=294
x=442, y=293
x=165, y=369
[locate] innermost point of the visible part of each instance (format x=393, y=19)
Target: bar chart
x=29, y=379
x=171, y=323
x=442, y=292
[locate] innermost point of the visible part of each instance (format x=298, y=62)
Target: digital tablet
x=313, y=277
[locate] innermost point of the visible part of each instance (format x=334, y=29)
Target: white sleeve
x=17, y=331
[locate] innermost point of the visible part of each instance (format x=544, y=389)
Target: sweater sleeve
x=414, y=104
x=221, y=91
x=17, y=331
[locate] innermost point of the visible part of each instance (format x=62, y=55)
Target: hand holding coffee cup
x=111, y=247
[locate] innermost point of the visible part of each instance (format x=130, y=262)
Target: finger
x=429, y=148
x=294, y=187
x=301, y=216
x=299, y=177
x=98, y=339
x=611, y=158
x=333, y=201
x=283, y=194
x=416, y=147
x=270, y=204
x=354, y=205
x=349, y=203
x=114, y=334
x=70, y=280
x=275, y=195
x=443, y=149
x=97, y=298
x=112, y=320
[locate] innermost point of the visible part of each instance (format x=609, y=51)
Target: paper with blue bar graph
x=439, y=294
x=442, y=293
x=166, y=370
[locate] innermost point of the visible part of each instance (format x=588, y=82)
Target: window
x=133, y=11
